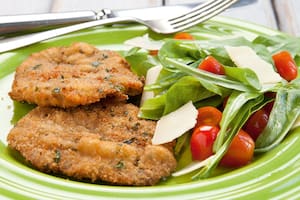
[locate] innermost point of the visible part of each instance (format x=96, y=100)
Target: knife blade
x=38, y=22
x=19, y=24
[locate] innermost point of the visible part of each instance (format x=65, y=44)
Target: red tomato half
x=285, y=65
x=183, y=36
x=268, y=108
x=202, y=141
x=208, y=115
x=256, y=123
x=210, y=64
x=240, y=151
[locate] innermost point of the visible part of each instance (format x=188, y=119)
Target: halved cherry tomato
x=183, y=36
x=208, y=115
x=285, y=65
x=202, y=141
x=210, y=64
x=240, y=151
x=268, y=108
x=270, y=94
x=256, y=123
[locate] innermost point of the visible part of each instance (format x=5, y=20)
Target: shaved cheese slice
x=144, y=42
x=151, y=76
x=193, y=166
x=175, y=124
x=245, y=57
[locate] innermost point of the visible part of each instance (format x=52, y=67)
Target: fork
x=195, y=16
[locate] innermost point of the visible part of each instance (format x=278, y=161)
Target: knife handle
x=37, y=22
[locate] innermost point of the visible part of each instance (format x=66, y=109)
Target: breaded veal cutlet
x=105, y=141
x=79, y=74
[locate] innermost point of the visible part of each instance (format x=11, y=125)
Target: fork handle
x=25, y=40
x=34, y=22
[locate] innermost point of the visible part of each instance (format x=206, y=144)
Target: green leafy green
x=218, y=80
x=279, y=42
x=153, y=108
x=284, y=113
x=182, y=143
x=233, y=108
x=186, y=52
x=244, y=75
x=140, y=61
x=164, y=81
x=186, y=89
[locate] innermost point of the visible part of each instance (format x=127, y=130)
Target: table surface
x=277, y=14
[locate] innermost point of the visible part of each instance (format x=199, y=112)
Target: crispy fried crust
x=76, y=75
x=104, y=141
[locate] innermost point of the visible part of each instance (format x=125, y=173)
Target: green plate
x=275, y=174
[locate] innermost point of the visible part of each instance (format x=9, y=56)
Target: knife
x=20, y=24
x=38, y=22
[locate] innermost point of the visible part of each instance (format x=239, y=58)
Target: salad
x=246, y=92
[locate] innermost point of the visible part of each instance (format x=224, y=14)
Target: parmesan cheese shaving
x=175, y=124
x=245, y=57
x=151, y=76
x=144, y=42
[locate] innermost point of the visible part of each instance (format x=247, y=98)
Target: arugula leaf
x=153, y=108
x=214, y=101
x=232, y=109
x=186, y=52
x=164, y=81
x=140, y=61
x=284, y=113
x=186, y=89
x=219, y=80
x=245, y=75
x=280, y=42
x=182, y=143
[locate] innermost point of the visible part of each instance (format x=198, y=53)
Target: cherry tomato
x=270, y=94
x=285, y=65
x=202, y=141
x=183, y=36
x=210, y=64
x=240, y=151
x=268, y=108
x=256, y=123
x=208, y=115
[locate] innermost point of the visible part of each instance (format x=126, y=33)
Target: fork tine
x=199, y=15
x=196, y=10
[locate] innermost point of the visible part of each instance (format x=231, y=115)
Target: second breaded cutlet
x=79, y=74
